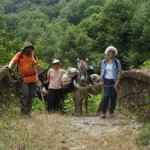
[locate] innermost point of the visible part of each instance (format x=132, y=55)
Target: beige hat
x=28, y=44
x=56, y=61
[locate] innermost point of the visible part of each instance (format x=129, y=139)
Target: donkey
x=80, y=92
x=43, y=77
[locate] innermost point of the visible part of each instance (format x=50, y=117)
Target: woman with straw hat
x=110, y=77
x=55, y=88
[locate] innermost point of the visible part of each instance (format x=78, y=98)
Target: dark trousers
x=54, y=99
x=109, y=92
x=27, y=93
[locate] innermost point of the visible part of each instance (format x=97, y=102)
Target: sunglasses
x=56, y=64
x=29, y=47
x=111, y=51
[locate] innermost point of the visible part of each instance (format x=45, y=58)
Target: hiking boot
x=103, y=115
x=111, y=114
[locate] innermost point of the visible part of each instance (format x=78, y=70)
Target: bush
x=93, y=102
x=38, y=105
x=146, y=64
x=144, y=135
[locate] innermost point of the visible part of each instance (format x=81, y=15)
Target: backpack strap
x=20, y=56
x=116, y=62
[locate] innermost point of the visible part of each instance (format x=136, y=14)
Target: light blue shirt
x=114, y=69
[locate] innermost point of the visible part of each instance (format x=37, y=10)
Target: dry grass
x=57, y=132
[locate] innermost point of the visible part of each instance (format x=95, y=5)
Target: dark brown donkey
x=80, y=92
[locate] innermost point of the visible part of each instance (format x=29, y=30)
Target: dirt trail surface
x=58, y=132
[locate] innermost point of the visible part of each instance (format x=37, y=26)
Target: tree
x=75, y=44
x=8, y=42
x=31, y=25
x=48, y=45
x=69, y=12
x=85, y=7
x=115, y=27
x=53, y=11
x=140, y=36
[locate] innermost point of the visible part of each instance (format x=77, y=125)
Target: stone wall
x=8, y=87
x=134, y=91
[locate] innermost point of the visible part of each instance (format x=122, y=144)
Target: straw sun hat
x=56, y=61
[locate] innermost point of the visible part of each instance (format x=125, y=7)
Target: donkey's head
x=43, y=75
x=82, y=71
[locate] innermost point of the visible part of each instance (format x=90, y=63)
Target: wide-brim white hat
x=56, y=61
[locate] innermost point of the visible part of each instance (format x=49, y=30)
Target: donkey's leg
x=77, y=106
x=81, y=101
x=86, y=105
x=74, y=99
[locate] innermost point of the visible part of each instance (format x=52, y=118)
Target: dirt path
x=57, y=132
x=111, y=133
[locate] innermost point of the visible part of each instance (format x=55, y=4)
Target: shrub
x=144, y=135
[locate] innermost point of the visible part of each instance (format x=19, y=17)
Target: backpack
x=21, y=56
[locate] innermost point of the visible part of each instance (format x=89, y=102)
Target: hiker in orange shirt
x=27, y=74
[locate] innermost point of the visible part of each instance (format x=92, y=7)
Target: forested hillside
x=65, y=29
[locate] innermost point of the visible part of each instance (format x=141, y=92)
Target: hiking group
x=27, y=63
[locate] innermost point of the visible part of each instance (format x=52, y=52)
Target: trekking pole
x=33, y=61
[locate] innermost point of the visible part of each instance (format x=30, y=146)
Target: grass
x=64, y=132
x=58, y=132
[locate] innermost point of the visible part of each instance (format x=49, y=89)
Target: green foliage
x=8, y=43
x=115, y=21
x=123, y=110
x=96, y=60
x=75, y=44
x=31, y=25
x=6, y=113
x=38, y=105
x=140, y=36
x=48, y=45
x=65, y=29
x=144, y=135
x=43, y=65
x=69, y=12
x=6, y=54
x=68, y=105
x=88, y=7
x=93, y=102
x=146, y=64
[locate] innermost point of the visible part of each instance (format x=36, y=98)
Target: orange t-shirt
x=25, y=66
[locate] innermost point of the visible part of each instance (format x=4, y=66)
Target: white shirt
x=109, y=72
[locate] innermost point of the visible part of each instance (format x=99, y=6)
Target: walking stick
x=34, y=63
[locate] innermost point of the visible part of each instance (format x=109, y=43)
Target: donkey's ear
x=87, y=59
x=44, y=71
x=77, y=59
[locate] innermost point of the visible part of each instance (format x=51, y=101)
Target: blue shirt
x=114, y=69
